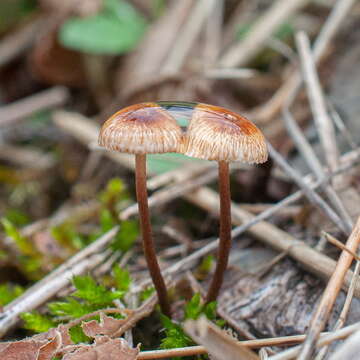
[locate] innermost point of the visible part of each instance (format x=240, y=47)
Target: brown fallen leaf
x=107, y=326
x=104, y=348
x=216, y=341
x=30, y=349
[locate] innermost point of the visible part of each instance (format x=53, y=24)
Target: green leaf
x=193, y=307
x=77, y=335
x=174, y=335
x=106, y=220
x=113, y=191
x=70, y=307
x=145, y=294
x=210, y=310
x=37, y=322
x=206, y=264
x=122, y=278
x=21, y=242
x=126, y=236
x=87, y=289
x=8, y=293
x=115, y=30
x=67, y=235
x=17, y=217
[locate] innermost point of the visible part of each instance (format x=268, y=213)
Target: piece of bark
x=279, y=304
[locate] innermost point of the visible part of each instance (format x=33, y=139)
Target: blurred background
x=66, y=66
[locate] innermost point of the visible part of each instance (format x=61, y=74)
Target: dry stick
x=329, y=296
x=244, y=51
x=18, y=110
x=187, y=36
x=200, y=350
x=19, y=41
x=322, y=120
x=311, y=195
x=225, y=232
x=148, y=243
x=325, y=339
x=331, y=239
x=344, y=312
x=292, y=85
x=312, y=160
x=339, y=123
x=172, y=192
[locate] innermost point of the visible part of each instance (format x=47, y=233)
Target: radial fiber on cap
x=141, y=129
x=215, y=133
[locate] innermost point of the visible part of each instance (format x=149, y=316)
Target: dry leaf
x=104, y=348
x=216, y=341
x=31, y=349
x=107, y=326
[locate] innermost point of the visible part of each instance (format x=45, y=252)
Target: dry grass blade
x=216, y=341
x=331, y=239
x=290, y=88
x=314, y=163
x=323, y=122
x=18, y=110
x=329, y=296
x=311, y=195
x=187, y=36
x=244, y=51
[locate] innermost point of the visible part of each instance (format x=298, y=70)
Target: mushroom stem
x=148, y=243
x=225, y=232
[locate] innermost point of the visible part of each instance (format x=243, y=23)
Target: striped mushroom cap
x=215, y=133
x=144, y=128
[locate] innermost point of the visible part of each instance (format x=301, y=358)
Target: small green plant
x=89, y=296
x=174, y=334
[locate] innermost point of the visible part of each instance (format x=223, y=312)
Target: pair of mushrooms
x=196, y=130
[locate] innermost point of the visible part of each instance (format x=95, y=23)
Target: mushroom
x=144, y=129
x=215, y=133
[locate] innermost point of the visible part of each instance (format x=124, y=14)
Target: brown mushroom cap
x=215, y=133
x=143, y=128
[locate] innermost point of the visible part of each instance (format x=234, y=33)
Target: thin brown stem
x=148, y=243
x=225, y=232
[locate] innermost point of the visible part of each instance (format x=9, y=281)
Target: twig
x=325, y=339
x=331, y=239
x=19, y=41
x=292, y=85
x=18, y=110
x=50, y=285
x=311, y=195
x=199, y=350
x=322, y=120
x=242, y=52
x=213, y=34
x=172, y=192
x=315, y=165
x=345, y=310
x=187, y=36
x=339, y=123
x=329, y=296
